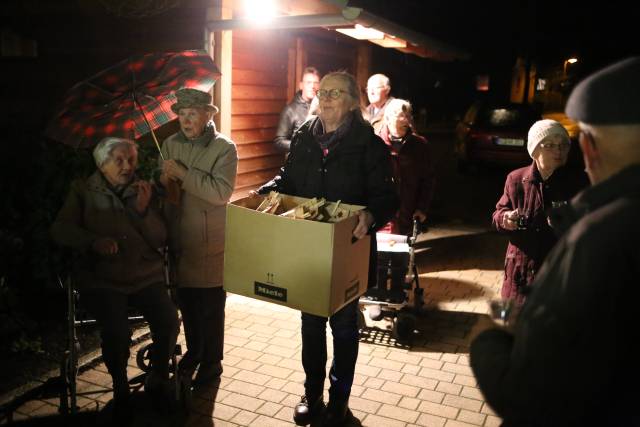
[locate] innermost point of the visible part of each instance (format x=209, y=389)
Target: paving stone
x=376, y=421
x=398, y=413
x=471, y=417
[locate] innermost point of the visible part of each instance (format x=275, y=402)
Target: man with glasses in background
x=378, y=90
x=295, y=113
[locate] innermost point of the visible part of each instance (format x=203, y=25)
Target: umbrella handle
x=144, y=116
x=153, y=135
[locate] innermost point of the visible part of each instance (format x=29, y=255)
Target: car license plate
x=511, y=142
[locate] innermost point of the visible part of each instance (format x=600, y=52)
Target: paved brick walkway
x=429, y=384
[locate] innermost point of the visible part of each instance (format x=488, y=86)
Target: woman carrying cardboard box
x=337, y=156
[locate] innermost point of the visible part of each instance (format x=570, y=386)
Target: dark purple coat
x=524, y=189
x=414, y=176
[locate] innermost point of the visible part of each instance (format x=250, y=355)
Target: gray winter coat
x=197, y=225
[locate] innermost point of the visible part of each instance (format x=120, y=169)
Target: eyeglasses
x=549, y=146
x=331, y=93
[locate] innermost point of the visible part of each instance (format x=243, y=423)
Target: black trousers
x=110, y=310
x=344, y=328
x=203, y=319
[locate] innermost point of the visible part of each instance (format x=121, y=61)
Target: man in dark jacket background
x=570, y=358
x=295, y=113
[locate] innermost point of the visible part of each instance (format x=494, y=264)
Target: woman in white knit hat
x=529, y=193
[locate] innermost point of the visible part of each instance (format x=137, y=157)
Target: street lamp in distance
x=568, y=61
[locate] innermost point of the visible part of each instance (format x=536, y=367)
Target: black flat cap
x=610, y=96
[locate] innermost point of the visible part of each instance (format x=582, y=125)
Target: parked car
x=495, y=134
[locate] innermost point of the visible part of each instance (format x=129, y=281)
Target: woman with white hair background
x=112, y=223
x=529, y=194
x=415, y=179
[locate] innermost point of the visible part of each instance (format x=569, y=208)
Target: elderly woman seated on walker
x=111, y=221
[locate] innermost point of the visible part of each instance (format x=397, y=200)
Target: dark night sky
x=549, y=31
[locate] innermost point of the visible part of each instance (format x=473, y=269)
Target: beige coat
x=376, y=119
x=197, y=225
x=92, y=210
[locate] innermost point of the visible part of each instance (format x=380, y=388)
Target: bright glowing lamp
x=362, y=33
x=260, y=11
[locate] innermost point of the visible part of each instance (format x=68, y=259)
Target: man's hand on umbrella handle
x=105, y=246
x=174, y=170
x=365, y=221
x=143, y=197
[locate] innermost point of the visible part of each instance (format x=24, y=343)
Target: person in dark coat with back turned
x=570, y=360
x=338, y=157
x=415, y=179
x=529, y=194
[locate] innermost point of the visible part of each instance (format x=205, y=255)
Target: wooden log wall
x=263, y=80
x=259, y=93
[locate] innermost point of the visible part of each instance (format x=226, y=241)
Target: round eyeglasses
x=549, y=146
x=330, y=93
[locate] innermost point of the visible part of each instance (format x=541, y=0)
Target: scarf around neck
x=328, y=141
x=209, y=131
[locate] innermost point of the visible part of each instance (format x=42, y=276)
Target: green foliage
x=147, y=161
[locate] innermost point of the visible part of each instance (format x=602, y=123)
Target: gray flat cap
x=610, y=96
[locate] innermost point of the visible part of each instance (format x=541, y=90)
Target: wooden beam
x=291, y=72
x=219, y=45
x=301, y=59
x=363, y=68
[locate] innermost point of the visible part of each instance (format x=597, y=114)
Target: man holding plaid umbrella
x=203, y=163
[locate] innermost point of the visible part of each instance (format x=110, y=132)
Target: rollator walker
x=381, y=303
x=69, y=368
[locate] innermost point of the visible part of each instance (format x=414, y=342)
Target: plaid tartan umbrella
x=129, y=99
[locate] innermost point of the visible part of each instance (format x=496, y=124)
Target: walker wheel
x=403, y=326
x=143, y=357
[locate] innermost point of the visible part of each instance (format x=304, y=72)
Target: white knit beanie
x=542, y=129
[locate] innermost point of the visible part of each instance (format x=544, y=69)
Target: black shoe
x=118, y=412
x=337, y=413
x=161, y=389
x=208, y=374
x=307, y=410
x=123, y=413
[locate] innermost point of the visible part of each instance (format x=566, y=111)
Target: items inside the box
x=313, y=209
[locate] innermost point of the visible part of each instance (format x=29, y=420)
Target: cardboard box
x=312, y=266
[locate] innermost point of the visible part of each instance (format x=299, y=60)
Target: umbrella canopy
x=129, y=99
